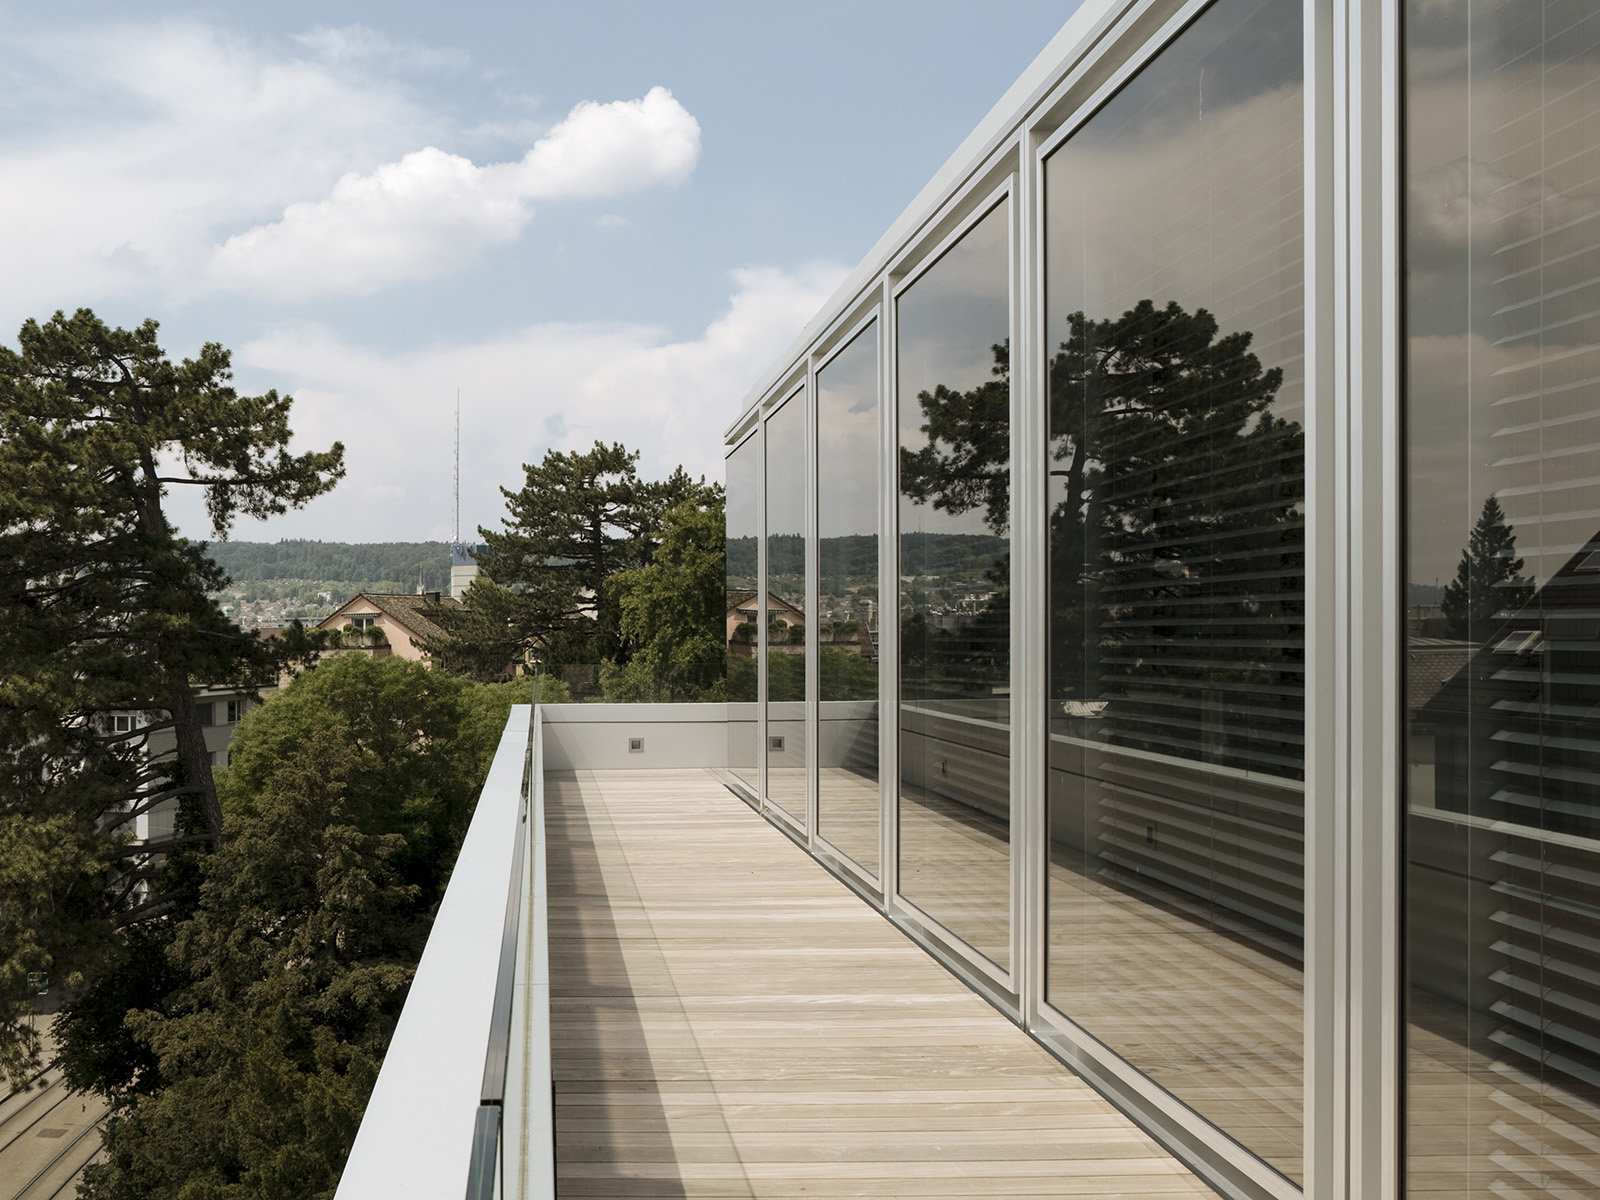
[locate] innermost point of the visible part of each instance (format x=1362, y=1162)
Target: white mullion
x=1323, y=1108
x=1030, y=737
x=1335, y=622
x=1373, y=999
x=761, y=615
x=812, y=588
x=888, y=604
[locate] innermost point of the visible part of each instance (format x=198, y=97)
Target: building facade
x=1237, y=333
x=385, y=623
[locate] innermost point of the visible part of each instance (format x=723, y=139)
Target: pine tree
x=578, y=519
x=105, y=611
x=1489, y=585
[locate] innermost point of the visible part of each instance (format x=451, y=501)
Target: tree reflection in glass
x=785, y=596
x=1501, y=646
x=954, y=556
x=1177, y=541
x=1174, y=282
x=743, y=520
x=848, y=455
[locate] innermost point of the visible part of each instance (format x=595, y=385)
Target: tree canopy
x=578, y=519
x=671, y=612
x=360, y=565
x=106, y=612
x=254, y=1026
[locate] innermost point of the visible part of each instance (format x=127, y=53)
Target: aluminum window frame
x=751, y=795
x=836, y=340
x=1354, y=703
x=796, y=827
x=1218, y=1157
x=973, y=203
x=1369, y=1039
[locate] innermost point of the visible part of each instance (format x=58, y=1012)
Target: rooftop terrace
x=679, y=1001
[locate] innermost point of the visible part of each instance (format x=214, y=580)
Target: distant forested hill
x=364, y=563
x=306, y=580
x=855, y=556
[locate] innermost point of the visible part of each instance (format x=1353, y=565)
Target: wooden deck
x=730, y=1021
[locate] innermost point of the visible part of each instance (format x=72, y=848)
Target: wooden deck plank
x=730, y=1021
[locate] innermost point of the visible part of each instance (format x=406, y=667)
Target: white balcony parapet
x=417, y=1135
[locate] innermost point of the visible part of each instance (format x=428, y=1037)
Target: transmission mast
x=457, y=541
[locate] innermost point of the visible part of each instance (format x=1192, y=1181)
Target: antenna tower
x=457, y=542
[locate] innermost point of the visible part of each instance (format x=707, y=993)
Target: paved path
x=47, y=1136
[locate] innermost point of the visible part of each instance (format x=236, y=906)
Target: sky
x=597, y=220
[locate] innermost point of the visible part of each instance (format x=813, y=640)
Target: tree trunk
x=194, y=758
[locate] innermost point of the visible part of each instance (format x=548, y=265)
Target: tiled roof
x=1432, y=663
x=409, y=611
x=739, y=597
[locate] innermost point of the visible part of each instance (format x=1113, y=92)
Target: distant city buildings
x=464, y=567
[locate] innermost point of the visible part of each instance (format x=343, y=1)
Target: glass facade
x=785, y=596
x=1239, y=517
x=744, y=609
x=954, y=420
x=848, y=466
x=1502, y=572
x=1175, y=460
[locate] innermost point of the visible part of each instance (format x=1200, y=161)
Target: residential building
x=385, y=623
x=744, y=610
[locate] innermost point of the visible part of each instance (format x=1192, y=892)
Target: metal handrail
x=485, y=1163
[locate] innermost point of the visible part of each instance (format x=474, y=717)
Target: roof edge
x=1081, y=33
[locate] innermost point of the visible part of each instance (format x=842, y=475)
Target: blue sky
x=599, y=220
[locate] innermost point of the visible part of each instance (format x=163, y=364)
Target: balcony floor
x=728, y=1020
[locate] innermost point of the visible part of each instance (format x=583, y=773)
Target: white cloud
x=607, y=149
x=142, y=141
x=431, y=210
x=406, y=220
x=144, y=146
x=361, y=44
x=545, y=387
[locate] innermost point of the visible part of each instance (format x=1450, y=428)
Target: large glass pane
x=955, y=589
x=744, y=527
x=1175, y=285
x=847, y=629
x=785, y=607
x=1502, y=408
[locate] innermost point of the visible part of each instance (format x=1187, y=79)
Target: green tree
x=105, y=612
x=1489, y=585
x=578, y=519
x=346, y=803
x=672, y=613
x=843, y=675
